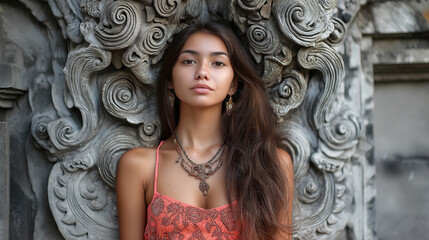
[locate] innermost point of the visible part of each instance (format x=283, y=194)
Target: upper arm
x=131, y=186
x=287, y=165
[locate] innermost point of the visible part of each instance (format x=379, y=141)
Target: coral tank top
x=170, y=219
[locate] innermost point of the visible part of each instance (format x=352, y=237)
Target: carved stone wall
x=86, y=71
x=394, y=40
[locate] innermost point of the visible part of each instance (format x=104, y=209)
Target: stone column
x=4, y=181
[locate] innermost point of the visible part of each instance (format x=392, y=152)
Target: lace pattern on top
x=170, y=219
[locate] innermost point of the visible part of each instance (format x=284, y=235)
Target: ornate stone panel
x=104, y=104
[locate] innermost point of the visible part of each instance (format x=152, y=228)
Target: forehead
x=205, y=42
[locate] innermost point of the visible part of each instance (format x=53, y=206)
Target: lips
x=201, y=86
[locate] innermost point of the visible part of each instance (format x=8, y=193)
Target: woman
x=219, y=172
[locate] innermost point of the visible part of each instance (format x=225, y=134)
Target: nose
x=202, y=73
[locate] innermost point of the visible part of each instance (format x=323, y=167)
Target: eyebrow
x=211, y=54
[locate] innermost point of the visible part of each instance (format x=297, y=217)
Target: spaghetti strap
x=156, y=167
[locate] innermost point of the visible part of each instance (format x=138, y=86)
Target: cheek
x=177, y=75
x=228, y=78
x=179, y=81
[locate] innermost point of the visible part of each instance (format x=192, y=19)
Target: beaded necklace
x=200, y=171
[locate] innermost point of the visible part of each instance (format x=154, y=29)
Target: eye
x=219, y=64
x=189, y=61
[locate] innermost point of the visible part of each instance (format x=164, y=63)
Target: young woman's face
x=203, y=75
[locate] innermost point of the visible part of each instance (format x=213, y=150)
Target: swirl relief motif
x=109, y=104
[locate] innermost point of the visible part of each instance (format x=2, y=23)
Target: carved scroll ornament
x=110, y=98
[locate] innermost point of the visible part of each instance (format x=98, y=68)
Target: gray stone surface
x=402, y=155
x=320, y=70
x=13, y=73
x=4, y=181
x=385, y=48
x=395, y=60
x=403, y=198
x=402, y=131
x=400, y=16
x=304, y=74
x=31, y=47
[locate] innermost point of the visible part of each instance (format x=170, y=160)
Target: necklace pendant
x=201, y=171
x=204, y=187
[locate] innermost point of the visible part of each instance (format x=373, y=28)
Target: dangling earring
x=229, y=105
x=171, y=97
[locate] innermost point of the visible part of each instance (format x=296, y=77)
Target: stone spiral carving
x=327, y=206
x=134, y=57
x=295, y=140
x=323, y=58
x=147, y=50
x=81, y=160
x=77, y=197
x=166, y=8
x=149, y=132
x=155, y=39
x=306, y=22
x=111, y=150
x=325, y=162
x=274, y=65
x=338, y=141
x=251, y=5
x=84, y=206
x=261, y=38
x=338, y=35
x=329, y=6
x=39, y=129
x=64, y=132
x=124, y=99
x=139, y=63
x=343, y=132
x=309, y=190
x=289, y=93
x=323, y=193
x=110, y=81
x=119, y=25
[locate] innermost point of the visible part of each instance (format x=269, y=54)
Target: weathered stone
x=36, y=48
x=12, y=84
x=403, y=198
x=4, y=181
x=319, y=60
x=399, y=16
x=272, y=40
x=394, y=57
x=402, y=131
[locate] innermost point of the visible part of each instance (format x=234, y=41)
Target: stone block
x=4, y=181
x=400, y=16
x=402, y=199
x=401, y=117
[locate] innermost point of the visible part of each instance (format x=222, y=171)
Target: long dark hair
x=254, y=174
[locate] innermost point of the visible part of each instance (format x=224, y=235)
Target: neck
x=200, y=128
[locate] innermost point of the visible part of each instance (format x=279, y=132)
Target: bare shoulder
x=137, y=162
x=138, y=154
x=285, y=157
x=286, y=161
x=133, y=181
